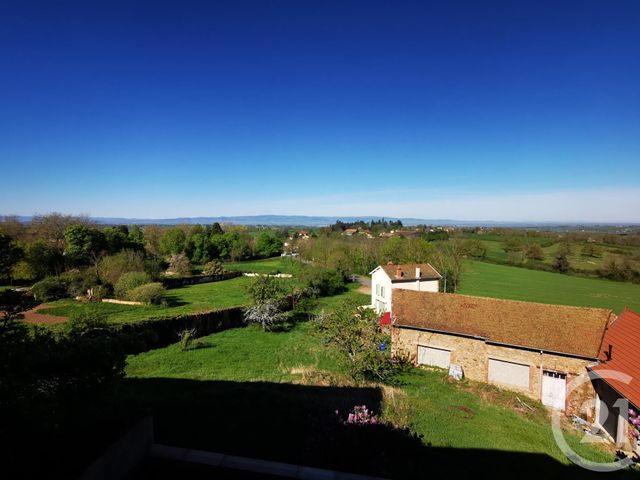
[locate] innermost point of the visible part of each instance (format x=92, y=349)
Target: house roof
x=575, y=331
x=624, y=336
x=408, y=270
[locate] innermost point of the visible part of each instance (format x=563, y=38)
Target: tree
x=267, y=302
x=43, y=259
x=152, y=235
x=533, y=251
x=179, y=265
x=12, y=305
x=173, y=241
x=393, y=250
x=112, y=267
x=10, y=254
x=356, y=336
x=267, y=246
x=448, y=260
x=511, y=244
x=116, y=238
x=84, y=244
x=561, y=261
x=198, y=248
x=135, y=239
x=591, y=250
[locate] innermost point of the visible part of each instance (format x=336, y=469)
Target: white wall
x=419, y=286
x=381, y=291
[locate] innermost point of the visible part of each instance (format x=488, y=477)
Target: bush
x=49, y=288
x=213, y=268
x=154, y=267
x=128, y=281
x=179, y=265
x=79, y=282
x=112, y=267
x=99, y=292
x=151, y=293
x=362, y=346
x=325, y=283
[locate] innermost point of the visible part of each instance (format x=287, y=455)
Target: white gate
x=554, y=389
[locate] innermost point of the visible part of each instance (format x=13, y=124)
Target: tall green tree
x=10, y=254
x=84, y=244
x=173, y=241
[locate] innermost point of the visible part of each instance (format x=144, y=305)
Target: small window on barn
x=382, y=291
x=378, y=289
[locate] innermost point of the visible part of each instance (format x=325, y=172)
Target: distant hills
x=319, y=221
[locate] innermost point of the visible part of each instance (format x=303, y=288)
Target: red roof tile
x=576, y=331
x=408, y=271
x=624, y=337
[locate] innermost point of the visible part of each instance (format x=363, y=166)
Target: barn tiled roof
x=408, y=270
x=624, y=337
x=574, y=331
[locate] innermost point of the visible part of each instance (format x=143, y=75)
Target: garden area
x=284, y=395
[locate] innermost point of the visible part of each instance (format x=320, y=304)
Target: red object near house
x=385, y=319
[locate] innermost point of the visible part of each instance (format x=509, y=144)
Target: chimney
x=609, y=353
x=399, y=273
x=418, y=273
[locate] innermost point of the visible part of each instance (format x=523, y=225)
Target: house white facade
x=420, y=277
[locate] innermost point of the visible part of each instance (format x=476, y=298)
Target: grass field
x=191, y=299
x=496, y=253
x=266, y=266
x=499, y=281
x=273, y=395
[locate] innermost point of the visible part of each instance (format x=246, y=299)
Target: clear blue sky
x=521, y=110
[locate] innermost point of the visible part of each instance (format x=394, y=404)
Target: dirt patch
x=468, y=413
x=364, y=289
x=32, y=316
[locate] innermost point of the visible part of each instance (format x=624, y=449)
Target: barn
x=536, y=349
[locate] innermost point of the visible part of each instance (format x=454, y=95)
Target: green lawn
x=191, y=299
x=273, y=395
x=266, y=266
x=500, y=281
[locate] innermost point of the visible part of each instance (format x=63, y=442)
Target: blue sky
x=522, y=110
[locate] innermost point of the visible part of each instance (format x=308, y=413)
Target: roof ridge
x=508, y=300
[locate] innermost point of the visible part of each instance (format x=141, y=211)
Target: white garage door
x=554, y=389
x=436, y=357
x=509, y=374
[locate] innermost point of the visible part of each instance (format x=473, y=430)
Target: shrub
x=325, y=283
x=78, y=282
x=186, y=338
x=112, y=267
x=361, y=345
x=99, y=292
x=49, y=288
x=128, y=281
x=151, y=293
x=179, y=265
x=213, y=268
x=87, y=319
x=154, y=267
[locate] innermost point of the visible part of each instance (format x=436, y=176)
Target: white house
x=420, y=277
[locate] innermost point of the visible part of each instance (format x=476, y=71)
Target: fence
x=197, y=279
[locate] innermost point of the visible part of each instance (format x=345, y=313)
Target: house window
x=378, y=289
x=382, y=291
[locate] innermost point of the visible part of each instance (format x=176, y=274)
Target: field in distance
x=514, y=283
